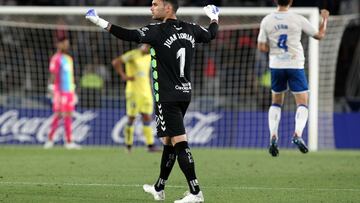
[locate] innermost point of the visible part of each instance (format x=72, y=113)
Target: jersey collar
x=171, y=20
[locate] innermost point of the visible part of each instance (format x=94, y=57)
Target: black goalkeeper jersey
x=173, y=46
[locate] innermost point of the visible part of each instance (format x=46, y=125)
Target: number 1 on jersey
x=181, y=54
x=282, y=42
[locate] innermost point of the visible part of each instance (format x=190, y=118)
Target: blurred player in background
x=62, y=87
x=138, y=92
x=173, y=45
x=280, y=35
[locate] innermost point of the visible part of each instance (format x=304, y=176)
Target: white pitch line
x=177, y=186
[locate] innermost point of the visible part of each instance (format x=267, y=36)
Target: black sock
x=187, y=165
x=167, y=162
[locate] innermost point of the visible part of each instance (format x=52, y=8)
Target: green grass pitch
x=32, y=174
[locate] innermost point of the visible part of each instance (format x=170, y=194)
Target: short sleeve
x=262, y=37
x=201, y=34
x=128, y=56
x=307, y=27
x=149, y=34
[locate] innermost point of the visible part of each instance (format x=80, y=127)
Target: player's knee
x=146, y=119
x=303, y=105
x=277, y=99
x=179, y=138
x=130, y=120
x=301, y=99
x=146, y=123
x=276, y=105
x=166, y=141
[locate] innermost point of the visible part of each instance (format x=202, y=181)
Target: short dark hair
x=283, y=2
x=61, y=38
x=174, y=4
x=61, y=35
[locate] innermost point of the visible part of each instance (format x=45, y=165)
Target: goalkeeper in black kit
x=173, y=45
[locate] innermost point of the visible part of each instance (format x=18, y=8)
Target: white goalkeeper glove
x=94, y=18
x=50, y=88
x=212, y=12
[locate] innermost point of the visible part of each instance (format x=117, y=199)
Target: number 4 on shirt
x=282, y=42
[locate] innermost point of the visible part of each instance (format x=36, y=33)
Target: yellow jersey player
x=138, y=92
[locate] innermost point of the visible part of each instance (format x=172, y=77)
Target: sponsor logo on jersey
x=142, y=31
x=178, y=28
x=186, y=87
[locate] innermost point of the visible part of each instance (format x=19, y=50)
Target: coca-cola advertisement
x=102, y=127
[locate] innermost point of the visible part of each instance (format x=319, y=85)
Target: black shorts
x=170, y=118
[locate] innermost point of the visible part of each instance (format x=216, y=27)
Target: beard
x=158, y=18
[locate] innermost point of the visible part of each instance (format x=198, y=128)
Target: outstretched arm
x=322, y=28
x=203, y=35
x=123, y=33
x=213, y=29
x=117, y=31
x=213, y=13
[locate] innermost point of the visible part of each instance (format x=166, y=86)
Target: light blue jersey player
x=280, y=35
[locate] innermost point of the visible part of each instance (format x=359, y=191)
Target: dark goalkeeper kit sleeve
x=125, y=34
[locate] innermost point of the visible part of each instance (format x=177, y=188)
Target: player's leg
x=278, y=87
x=298, y=86
x=146, y=110
x=148, y=132
x=55, y=120
x=67, y=108
x=129, y=133
x=131, y=112
x=274, y=121
x=70, y=144
x=275, y=114
x=54, y=125
x=185, y=158
x=302, y=113
x=168, y=159
x=68, y=126
x=187, y=166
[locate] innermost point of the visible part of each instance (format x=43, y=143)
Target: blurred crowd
x=334, y=6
